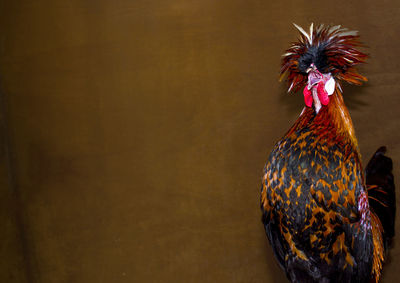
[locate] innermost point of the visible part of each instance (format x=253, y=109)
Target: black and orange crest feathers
x=332, y=49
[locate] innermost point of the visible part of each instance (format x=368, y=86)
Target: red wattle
x=307, y=97
x=322, y=94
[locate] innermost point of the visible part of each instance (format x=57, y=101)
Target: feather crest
x=338, y=45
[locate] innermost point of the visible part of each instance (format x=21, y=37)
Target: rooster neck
x=332, y=124
x=337, y=116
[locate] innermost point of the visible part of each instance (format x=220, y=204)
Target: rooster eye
x=304, y=63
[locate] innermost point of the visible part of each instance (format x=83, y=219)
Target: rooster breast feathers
x=310, y=209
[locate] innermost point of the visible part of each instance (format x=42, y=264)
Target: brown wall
x=138, y=131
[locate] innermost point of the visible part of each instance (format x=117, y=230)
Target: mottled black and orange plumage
x=314, y=198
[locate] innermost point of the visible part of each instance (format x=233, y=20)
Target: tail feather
x=381, y=191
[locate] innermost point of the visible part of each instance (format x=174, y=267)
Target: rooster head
x=320, y=59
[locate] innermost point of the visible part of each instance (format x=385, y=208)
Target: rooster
x=326, y=219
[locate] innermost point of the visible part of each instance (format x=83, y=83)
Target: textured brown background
x=134, y=133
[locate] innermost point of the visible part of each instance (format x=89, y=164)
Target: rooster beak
x=314, y=76
x=311, y=68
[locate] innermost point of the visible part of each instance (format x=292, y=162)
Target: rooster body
x=316, y=204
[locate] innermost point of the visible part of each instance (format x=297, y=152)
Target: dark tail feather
x=381, y=191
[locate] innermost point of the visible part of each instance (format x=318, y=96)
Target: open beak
x=314, y=76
